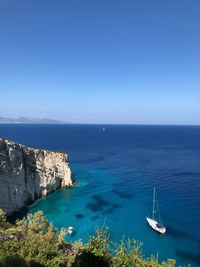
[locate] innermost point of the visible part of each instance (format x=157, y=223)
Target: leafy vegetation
x=34, y=242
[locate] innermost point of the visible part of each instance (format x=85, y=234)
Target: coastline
x=27, y=174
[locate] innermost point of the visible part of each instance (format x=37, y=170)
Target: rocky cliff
x=27, y=174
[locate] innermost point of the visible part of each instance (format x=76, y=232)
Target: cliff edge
x=27, y=174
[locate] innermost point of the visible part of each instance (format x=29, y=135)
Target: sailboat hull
x=156, y=226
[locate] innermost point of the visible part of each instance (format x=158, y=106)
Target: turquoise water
x=116, y=171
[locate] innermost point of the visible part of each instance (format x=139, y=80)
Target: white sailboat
x=152, y=222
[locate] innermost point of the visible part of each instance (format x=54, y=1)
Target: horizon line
x=102, y=124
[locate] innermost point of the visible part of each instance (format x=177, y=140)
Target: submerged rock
x=27, y=174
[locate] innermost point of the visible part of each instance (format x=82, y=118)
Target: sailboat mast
x=154, y=192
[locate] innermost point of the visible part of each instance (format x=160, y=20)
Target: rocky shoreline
x=27, y=174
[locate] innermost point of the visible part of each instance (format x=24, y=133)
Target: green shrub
x=36, y=243
x=3, y=222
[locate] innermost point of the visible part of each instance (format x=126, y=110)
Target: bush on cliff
x=34, y=242
x=3, y=222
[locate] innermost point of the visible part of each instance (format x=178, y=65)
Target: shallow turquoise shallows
x=116, y=169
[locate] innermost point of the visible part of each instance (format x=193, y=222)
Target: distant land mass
x=30, y=120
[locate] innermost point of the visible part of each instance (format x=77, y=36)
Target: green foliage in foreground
x=34, y=242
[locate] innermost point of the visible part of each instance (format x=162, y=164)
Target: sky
x=101, y=61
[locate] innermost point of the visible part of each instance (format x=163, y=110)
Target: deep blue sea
x=116, y=170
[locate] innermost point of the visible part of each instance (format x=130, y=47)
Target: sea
x=116, y=168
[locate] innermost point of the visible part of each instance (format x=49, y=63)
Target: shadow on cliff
x=18, y=215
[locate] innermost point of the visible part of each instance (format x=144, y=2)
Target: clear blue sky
x=101, y=61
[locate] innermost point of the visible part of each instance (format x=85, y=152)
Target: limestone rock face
x=27, y=174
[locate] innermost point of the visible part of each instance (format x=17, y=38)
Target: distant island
x=30, y=120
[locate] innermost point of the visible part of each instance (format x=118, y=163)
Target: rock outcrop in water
x=27, y=174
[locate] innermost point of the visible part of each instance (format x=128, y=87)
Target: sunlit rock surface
x=27, y=174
